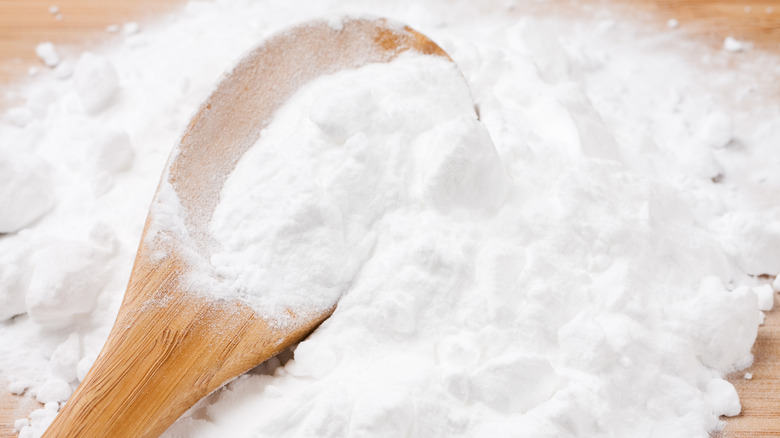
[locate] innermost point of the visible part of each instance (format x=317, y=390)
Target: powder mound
x=594, y=276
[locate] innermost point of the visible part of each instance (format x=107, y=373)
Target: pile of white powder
x=580, y=260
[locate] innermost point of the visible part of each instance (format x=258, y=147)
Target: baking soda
x=302, y=211
x=564, y=241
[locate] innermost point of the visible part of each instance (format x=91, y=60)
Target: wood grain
x=25, y=23
x=760, y=395
x=713, y=20
x=13, y=407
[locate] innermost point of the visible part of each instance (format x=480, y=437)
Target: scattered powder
x=48, y=54
x=766, y=297
x=20, y=116
x=131, y=28
x=731, y=44
x=55, y=11
x=18, y=387
x=583, y=260
x=20, y=424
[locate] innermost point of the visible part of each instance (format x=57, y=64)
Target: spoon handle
x=167, y=350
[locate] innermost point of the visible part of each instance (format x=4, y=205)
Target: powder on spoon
x=302, y=210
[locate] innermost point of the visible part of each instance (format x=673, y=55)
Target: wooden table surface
x=25, y=23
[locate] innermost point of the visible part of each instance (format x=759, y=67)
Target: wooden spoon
x=171, y=346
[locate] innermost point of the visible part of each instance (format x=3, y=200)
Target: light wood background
x=25, y=23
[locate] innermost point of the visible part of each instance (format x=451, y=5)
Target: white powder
x=25, y=191
x=350, y=152
x=47, y=53
x=766, y=297
x=96, y=82
x=579, y=262
x=131, y=28
x=732, y=44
